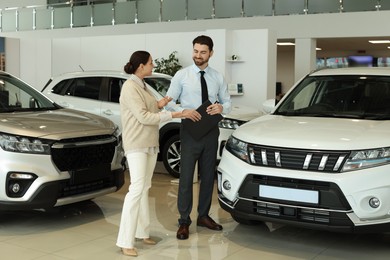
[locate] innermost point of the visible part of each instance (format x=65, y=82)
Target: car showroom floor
x=88, y=231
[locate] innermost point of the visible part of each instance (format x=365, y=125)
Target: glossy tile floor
x=88, y=230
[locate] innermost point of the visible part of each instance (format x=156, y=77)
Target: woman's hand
x=191, y=114
x=163, y=102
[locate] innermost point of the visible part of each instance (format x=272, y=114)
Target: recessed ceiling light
x=285, y=43
x=379, y=41
x=318, y=49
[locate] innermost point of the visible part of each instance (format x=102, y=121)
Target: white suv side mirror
x=268, y=106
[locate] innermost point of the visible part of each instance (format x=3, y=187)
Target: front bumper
x=343, y=198
x=63, y=192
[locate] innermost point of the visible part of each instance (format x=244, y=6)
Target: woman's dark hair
x=136, y=59
x=205, y=40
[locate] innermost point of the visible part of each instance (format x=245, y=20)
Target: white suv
x=320, y=159
x=51, y=156
x=98, y=92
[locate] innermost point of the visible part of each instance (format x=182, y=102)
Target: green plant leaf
x=168, y=66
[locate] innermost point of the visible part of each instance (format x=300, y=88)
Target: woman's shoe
x=149, y=241
x=129, y=251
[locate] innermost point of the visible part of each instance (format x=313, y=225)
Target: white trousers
x=135, y=219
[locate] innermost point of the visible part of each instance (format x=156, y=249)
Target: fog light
x=226, y=185
x=374, y=202
x=18, y=183
x=15, y=188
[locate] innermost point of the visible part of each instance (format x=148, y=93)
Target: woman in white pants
x=140, y=115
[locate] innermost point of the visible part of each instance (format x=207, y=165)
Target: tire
x=171, y=155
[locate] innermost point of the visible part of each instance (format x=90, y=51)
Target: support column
x=305, y=57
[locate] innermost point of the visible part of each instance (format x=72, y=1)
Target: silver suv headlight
x=367, y=158
x=21, y=144
x=238, y=148
x=117, y=132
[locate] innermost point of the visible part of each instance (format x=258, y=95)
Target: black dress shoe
x=183, y=232
x=209, y=223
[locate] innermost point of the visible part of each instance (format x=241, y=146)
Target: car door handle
x=107, y=112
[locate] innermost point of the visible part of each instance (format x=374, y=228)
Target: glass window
x=15, y=95
x=339, y=96
x=115, y=89
x=161, y=85
x=88, y=87
x=60, y=88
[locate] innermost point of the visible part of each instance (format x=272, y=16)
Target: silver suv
x=52, y=156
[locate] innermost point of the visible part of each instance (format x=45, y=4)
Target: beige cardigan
x=139, y=117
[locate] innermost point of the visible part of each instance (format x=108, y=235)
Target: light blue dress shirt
x=186, y=89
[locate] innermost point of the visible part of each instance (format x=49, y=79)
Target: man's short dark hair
x=205, y=40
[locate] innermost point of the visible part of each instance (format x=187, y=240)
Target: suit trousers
x=203, y=151
x=135, y=219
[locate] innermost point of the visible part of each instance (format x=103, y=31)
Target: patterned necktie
x=205, y=94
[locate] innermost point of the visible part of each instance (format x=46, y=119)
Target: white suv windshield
x=160, y=84
x=15, y=95
x=339, y=96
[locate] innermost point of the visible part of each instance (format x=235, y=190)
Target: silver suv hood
x=55, y=124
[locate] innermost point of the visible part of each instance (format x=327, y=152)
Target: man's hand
x=214, y=109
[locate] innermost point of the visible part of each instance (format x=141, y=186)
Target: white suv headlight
x=229, y=123
x=238, y=148
x=367, y=158
x=18, y=144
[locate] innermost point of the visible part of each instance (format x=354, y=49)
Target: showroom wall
x=256, y=69
x=36, y=47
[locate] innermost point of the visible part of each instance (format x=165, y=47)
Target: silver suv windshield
x=15, y=95
x=366, y=97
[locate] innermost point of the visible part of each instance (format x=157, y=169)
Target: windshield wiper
x=319, y=114
x=377, y=117
x=287, y=113
x=19, y=109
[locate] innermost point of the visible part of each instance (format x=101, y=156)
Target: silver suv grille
x=81, y=153
x=311, y=160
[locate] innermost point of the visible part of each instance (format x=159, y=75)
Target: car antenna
x=81, y=68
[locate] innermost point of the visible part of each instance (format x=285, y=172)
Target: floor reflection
x=88, y=230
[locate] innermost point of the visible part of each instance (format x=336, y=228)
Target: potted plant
x=168, y=66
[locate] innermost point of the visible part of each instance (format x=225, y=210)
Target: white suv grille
x=311, y=160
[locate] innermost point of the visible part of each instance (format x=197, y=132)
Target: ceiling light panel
x=379, y=41
x=285, y=43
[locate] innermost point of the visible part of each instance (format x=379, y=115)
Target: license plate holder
x=289, y=194
x=91, y=174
